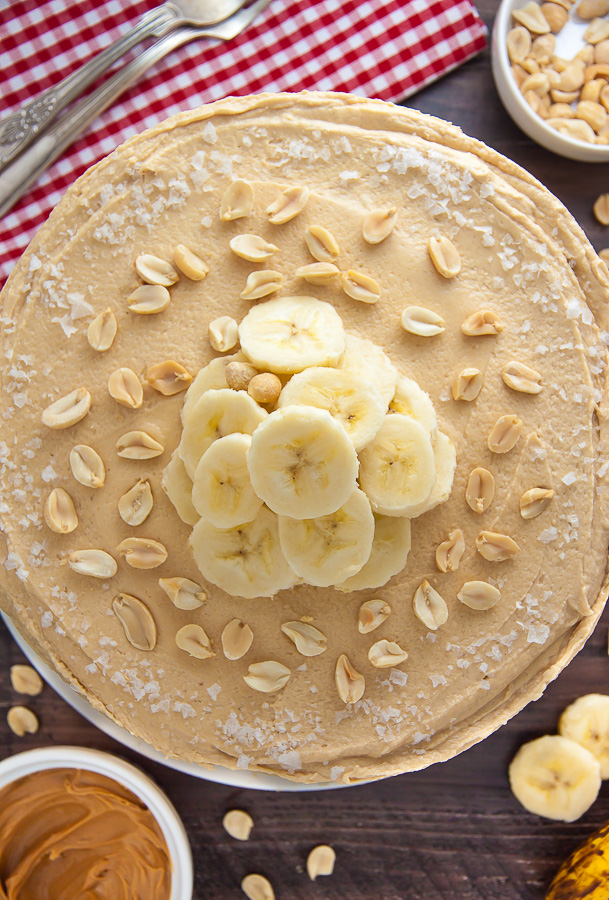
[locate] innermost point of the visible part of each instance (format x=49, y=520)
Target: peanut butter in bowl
x=68, y=833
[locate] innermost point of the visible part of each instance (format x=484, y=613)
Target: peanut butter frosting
x=477, y=285
x=71, y=833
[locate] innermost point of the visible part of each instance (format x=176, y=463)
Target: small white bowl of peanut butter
x=548, y=61
x=75, y=821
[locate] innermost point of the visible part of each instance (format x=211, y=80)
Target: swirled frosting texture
x=68, y=833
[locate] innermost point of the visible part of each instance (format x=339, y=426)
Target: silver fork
x=27, y=168
x=18, y=129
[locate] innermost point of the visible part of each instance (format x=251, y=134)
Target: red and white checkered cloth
x=374, y=48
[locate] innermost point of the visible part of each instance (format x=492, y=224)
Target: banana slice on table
x=214, y=415
x=411, y=400
x=329, y=548
x=245, y=561
x=366, y=358
x=302, y=463
x=555, y=777
x=289, y=334
x=222, y=490
x=210, y=377
x=587, y=722
x=390, y=549
x=350, y=398
x=445, y=460
x=397, y=469
x=178, y=487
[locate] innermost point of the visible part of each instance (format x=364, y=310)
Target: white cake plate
x=235, y=778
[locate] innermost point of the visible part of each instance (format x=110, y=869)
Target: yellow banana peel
x=585, y=874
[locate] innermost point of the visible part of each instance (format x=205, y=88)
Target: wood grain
x=453, y=832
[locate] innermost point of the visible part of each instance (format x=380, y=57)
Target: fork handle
x=19, y=129
x=24, y=171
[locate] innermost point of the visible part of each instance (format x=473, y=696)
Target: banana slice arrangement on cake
x=319, y=486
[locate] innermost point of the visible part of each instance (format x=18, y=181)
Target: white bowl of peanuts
x=551, y=68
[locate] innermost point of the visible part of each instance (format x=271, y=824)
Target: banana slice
x=302, y=463
x=445, y=460
x=329, y=548
x=222, y=491
x=349, y=398
x=216, y=414
x=397, y=469
x=210, y=377
x=556, y=778
x=368, y=360
x=245, y=561
x=289, y=334
x=411, y=400
x=178, y=487
x=390, y=549
x=587, y=722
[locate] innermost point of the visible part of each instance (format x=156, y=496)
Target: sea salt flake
x=67, y=326
x=569, y=478
x=48, y=474
x=184, y=708
x=79, y=308
x=290, y=761
x=214, y=690
x=209, y=134
x=396, y=676
x=548, y=535
x=538, y=634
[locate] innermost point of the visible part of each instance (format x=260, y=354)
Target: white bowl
x=234, y=777
x=134, y=780
x=568, y=42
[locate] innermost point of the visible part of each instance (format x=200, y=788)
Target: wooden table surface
x=453, y=831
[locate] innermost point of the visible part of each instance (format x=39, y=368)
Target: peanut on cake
x=303, y=450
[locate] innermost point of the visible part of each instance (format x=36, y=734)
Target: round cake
x=304, y=445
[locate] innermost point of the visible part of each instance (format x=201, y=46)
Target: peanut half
x=102, y=331
x=268, y=677
x=68, y=410
x=480, y=489
x=183, y=593
x=429, y=606
x=137, y=621
x=379, y=224
x=168, y=378
x=59, y=512
x=237, y=638
x=237, y=201
x=349, y=683
x=309, y=641
x=194, y=640
x=384, y=654
x=445, y=256
x=238, y=824
x=372, y=613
